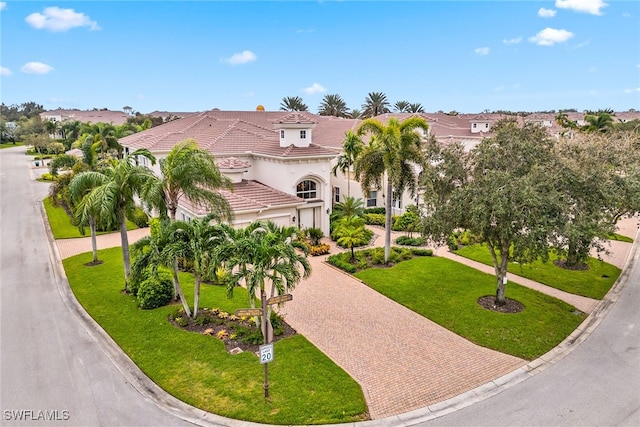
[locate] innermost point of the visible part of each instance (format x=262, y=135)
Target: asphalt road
x=50, y=364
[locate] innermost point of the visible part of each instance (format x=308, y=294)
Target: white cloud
x=546, y=13
x=626, y=15
x=3, y=5
x=482, y=51
x=4, y=71
x=586, y=6
x=499, y=88
x=314, y=88
x=551, y=36
x=515, y=40
x=301, y=31
x=243, y=57
x=36, y=68
x=56, y=19
x=637, y=89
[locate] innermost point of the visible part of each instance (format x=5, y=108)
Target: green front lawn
x=306, y=387
x=10, y=144
x=447, y=292
x=592, y=283
x=61, y=225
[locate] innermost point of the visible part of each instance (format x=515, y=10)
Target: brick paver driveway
x=401, y=360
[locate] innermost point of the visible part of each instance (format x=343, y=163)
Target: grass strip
x=447, y=292
x=592, y=283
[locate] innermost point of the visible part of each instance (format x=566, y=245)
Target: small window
x=307, y=189
x=336, y=194
x=475, y=125
x=372, y=200
x=303, y=134
x=486, y=125
x=282, y=134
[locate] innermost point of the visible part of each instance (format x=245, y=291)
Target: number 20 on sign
x=266, y=353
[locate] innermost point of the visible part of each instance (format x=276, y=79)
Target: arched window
x=307, y=190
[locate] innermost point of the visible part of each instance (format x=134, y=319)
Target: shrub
x=155, y=291
x=374, y=219
x=249, y=335
x=47, y=177
x=338, y=261
x=410, y=241
x=314, y=235
x=422, y=252
x=138, y=217
x=321, y=249
x=375, y=211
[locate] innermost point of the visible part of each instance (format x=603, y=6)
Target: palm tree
x=116, y=195
x=394, y=150
x=188, y=172
x=401, y=106
x=87, y=210
x=159, y=248
x=195, y=241
x=293, y=103
x=265, y=253
x=415, y=107
x=333, y=105
x=51, y=127
x=375, y=103
x=600, y=122
x=351, y=147
x=351, y=207
x=355, y=113
x=349, y=233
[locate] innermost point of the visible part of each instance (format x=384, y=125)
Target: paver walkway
x=402, y=360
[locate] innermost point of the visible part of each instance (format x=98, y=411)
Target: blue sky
x=234, y=55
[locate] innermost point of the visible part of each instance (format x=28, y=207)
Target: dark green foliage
x=62, y=161
x=139, y=217
x=338, y=261
x=422, y=252
x=155, y=291
x=375, y=211
x=410, y=241
x=314, y=235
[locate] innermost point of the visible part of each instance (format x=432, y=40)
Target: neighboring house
x=93, y=116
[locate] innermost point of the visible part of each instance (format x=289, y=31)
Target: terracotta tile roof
x=248, y=196
x=93, y=116
x=295, y=118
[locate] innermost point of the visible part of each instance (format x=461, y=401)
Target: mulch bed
x=511, y=306
x=577, y=267
x=217, y=321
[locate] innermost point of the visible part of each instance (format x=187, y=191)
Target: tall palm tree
x=375, y=103
x=401, y=106
x=600, y=122
x=293, y=103
x=333, y=105
x=415, y=107
x=188, y=172
x=355, y=113
x=195, y=241
x=116, y=195
x=88, y=210
x=266, y=254
x=351, y=147
x=394, y=152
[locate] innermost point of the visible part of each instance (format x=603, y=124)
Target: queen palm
x=394, y=152
x=333, y=105
x=88, y=210
x=351, y=147
x=351, y=207
x=195, y=241
x=401, y=106
x=188, y=172
x=293, y=103
x=375, y=103
x=265, y=253
x=350, y=233
x=415, y=107
x=125, y=180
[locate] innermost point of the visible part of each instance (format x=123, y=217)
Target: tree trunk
x=178, y=289
x=387, y=222
x=196, y=294
x=94, y=240
x=500, y=266
x=126, y=258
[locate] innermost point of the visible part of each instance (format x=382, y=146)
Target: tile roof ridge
x=274, y=189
